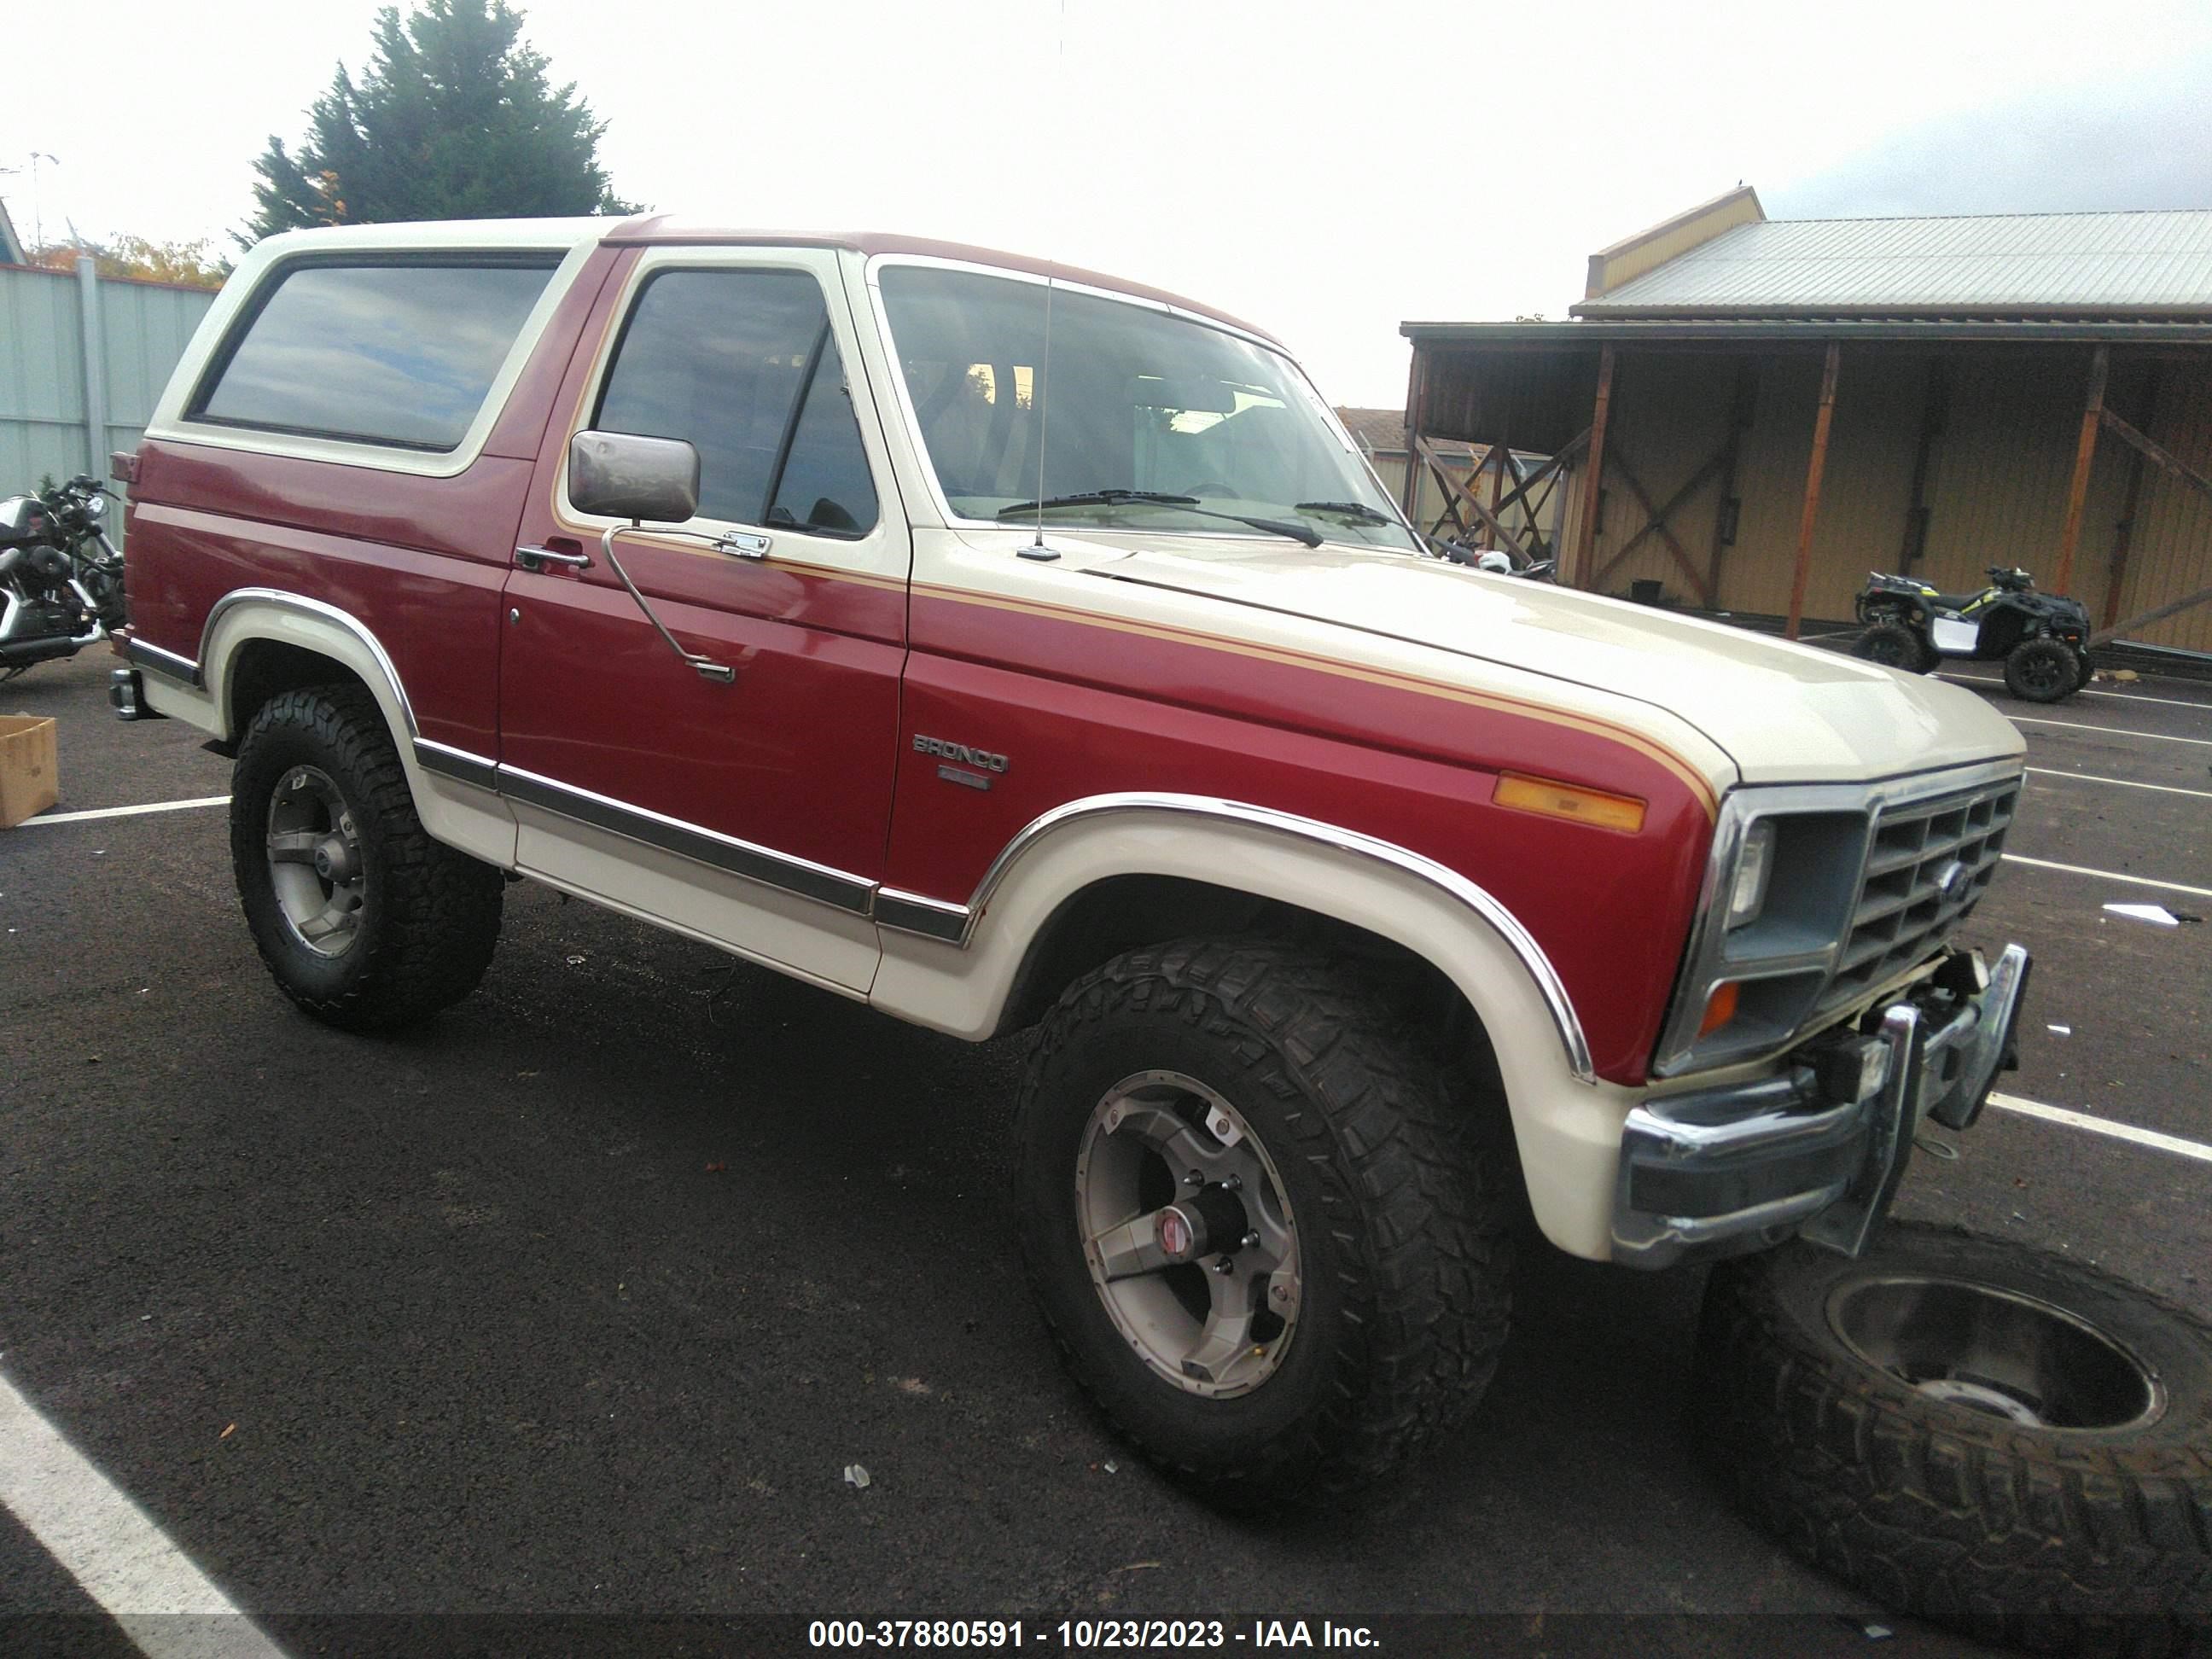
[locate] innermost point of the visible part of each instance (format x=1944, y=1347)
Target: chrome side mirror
x=618, y=475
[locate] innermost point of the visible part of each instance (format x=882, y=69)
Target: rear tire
x=1895, y=644
x=363, y=920
x=2004, y=1441
x=2042, y=670
x=1369, y=1198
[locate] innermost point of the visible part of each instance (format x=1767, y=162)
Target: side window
x=743, y=365
x=402, y=353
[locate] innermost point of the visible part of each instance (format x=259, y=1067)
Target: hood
x=1783, y=713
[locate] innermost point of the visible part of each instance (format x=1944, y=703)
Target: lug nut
x=1251, y=1240
x=1223, y=1264
x=1235, y=1183
x=1193, y=1179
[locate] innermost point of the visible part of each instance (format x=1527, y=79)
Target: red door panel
x=796, y=754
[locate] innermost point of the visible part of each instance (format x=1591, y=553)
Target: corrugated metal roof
x=1813, y=330
x=2013, y=264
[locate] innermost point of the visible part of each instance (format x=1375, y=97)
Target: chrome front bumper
x=1819, y=1149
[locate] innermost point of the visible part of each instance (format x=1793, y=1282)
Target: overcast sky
x=1325, y=171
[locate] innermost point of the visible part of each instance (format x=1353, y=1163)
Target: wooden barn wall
x=2172, y=550
x=1996, y=481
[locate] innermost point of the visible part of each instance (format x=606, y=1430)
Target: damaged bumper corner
x=1820, y=1148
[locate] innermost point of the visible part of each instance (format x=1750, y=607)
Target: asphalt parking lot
x=581, y=1300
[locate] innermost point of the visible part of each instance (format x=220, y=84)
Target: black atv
x=2042, y=639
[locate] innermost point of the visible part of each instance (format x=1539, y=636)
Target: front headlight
x=1754, y=865
x=1778, y=902
x=95, y=507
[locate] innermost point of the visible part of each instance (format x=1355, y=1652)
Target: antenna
x=1044, y=408
x=1045, y=367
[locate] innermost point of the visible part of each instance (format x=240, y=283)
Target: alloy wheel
x=315, y=863
x=1188, y=1234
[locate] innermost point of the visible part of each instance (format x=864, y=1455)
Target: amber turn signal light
x=1562, y=800
x=1720, y=1008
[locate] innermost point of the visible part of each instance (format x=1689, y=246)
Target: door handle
x=536, y=558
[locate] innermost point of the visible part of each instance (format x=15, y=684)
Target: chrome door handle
x=536, y=558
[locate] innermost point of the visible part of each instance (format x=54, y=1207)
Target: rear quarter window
x=395, y=353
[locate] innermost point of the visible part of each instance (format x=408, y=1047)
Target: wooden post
x=2085, y=453
x=1409, y=488
x=2124, y=532
x=1814, y=468
x=1586, y=531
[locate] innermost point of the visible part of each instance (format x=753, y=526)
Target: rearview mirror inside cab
x=618, y=475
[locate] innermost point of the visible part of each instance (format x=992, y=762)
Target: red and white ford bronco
x=1002, y=645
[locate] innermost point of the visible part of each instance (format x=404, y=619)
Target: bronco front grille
x=1905, y=908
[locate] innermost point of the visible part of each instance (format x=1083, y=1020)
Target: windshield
x=1147, y=418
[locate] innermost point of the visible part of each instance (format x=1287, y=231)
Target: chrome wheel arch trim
x=936, y=919
x=299, y=605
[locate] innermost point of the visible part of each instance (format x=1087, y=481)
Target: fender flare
x=953, y=967
x=457, y=812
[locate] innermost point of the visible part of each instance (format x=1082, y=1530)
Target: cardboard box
x=30, y=779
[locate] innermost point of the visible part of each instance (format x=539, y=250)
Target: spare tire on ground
x=1996, y=1439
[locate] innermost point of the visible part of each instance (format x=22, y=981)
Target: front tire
x=1335, y=1289
x=1998, y=1439
x=363, y=920
x=2042, y=670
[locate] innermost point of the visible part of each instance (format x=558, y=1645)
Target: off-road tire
x=431, y=916
x=2042, y=670
x=2057, y=1538
x=1895, y=644
x=1397, y=1188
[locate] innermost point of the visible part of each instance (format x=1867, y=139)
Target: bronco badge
x=961, y=752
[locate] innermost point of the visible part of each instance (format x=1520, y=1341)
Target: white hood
x=1783, y=713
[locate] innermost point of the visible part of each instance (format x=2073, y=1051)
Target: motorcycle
x=61, y=579
x=2042, y=639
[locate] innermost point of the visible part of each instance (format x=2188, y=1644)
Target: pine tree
x=453, y=119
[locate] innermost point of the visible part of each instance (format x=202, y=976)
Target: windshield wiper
x=1099, y=498
x=1359, y=510
x=1296, y=532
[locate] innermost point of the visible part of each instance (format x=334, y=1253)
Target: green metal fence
x=82, y=361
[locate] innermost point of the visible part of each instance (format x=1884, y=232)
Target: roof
x=2036, y=264
x=666, y=230
x=1813, y=330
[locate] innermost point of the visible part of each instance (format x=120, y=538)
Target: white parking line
x=2108, y=875
x=122, y=1559
x=2124, y=696
x=2072, y=1119
x=2124, y=783
x=2112, y=731
x=126, y=811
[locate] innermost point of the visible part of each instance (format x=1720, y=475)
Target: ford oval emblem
x=1952, y=881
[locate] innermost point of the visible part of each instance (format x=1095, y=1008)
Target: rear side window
x=744, y=365
x=393, y=354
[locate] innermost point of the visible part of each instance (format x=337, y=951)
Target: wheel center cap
x=334, y=860
x=1180, y=1237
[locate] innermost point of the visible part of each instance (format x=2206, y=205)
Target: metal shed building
x=1770, y=408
